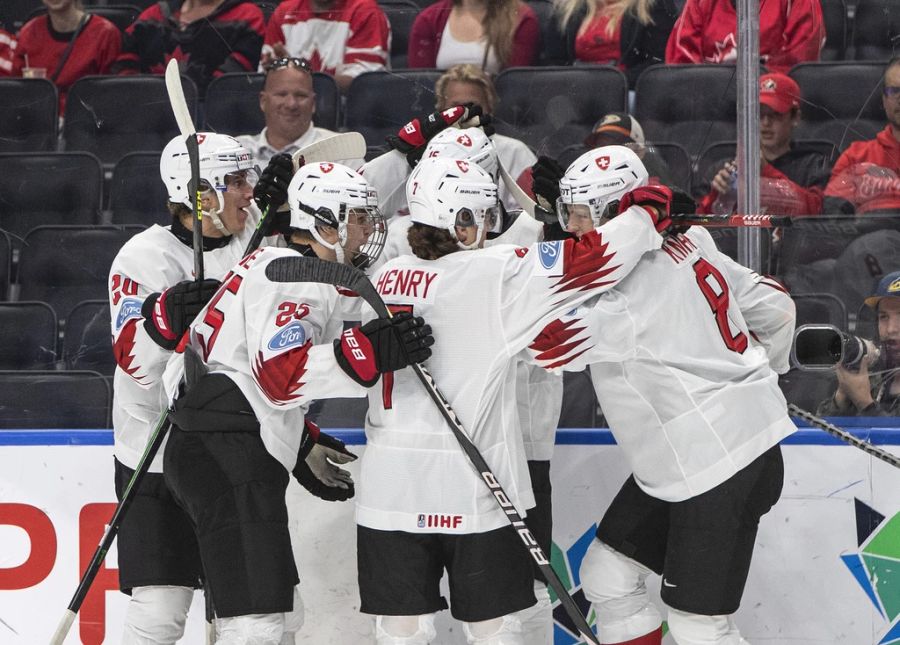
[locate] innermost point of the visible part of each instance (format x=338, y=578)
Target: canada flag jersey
x=684, y=354
x=274, y=340
x=150, y=262
x=484, y=308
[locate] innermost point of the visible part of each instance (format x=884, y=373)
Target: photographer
x=877, y=393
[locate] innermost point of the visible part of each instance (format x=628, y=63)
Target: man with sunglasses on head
x=288, y=102
x=866, y=177
x=153, y=297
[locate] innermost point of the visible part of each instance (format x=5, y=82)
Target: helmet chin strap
x=213, y=214
x=479, y=231
x=336, y=247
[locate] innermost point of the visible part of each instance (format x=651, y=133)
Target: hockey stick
x=303, y=269
x=843, y=435
x=112, y=529
x=186, y=127
x=346, y=145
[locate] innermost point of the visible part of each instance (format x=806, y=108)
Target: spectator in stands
x=873, y=393
x=207, y=37
x=288, y=102
x=630, y=34
x=790, y=32
x=65, y=45
x=7, y=49
x=792, y=176
x=343, y=38
x=491, y=34
x=866, y=177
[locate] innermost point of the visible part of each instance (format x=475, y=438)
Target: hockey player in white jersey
x=684, y=354
x=239, y=431
x=421, y=507
x=153, y=297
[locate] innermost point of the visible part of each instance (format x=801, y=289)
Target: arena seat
x=28, y=115
x=137, y=193
x=380, y=103
x=550, y=108
x=86, y=342
x=63, y=265
x=553, y=50
x=121, y=15
x=876, y=30
x=28, y=341
x=111, y=116
x=807, y=389
x=691, y=105
x=49, y=188
x=841, y=101
x=232, y=103
x=14, y=13
x=835, y=14
x=820, y=309
x=78, y=399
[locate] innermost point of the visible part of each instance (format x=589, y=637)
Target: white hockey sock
x=156, y=615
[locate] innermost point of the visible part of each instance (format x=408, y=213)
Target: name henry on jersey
x=412, y=283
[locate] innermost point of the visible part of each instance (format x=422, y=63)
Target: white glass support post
x=749, y=239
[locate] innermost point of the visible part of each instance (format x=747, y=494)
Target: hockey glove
x=271, y=189
x=682, y=204
x=383, y=345
x=412, y=138
x=315, y=470
x=545, y=176
x=657, y=202
x=167, y=315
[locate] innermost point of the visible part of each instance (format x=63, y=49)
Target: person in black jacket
x=631, y=34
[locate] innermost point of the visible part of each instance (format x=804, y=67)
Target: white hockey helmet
x=471, y=144
x=220, y=156
x=328, y=194
x=598, y=179
x=446, y=193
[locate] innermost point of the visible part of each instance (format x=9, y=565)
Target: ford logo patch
x=293, y=335
x=131, y=308
x=549, y=253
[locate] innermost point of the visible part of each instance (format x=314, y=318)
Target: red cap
x=779, y=92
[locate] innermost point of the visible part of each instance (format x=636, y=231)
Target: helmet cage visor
x=484, y=218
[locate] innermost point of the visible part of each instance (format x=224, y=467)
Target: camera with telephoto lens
x=824, y=347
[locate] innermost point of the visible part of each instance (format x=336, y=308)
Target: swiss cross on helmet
x=597, y=180
x=471, y=144
x=332, y=195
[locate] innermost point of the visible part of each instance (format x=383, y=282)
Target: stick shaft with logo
x=303, y=269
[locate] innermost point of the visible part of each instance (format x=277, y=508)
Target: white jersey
x=274, y=340
x=484, y=307
x=682, y=354
x=388, y=173
x=150, y=262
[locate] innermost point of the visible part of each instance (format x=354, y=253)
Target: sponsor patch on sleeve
x=549, y=253
x=130, y=308
x=294, y=335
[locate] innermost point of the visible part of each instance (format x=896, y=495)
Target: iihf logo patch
x=326, y=167
x=464, y=140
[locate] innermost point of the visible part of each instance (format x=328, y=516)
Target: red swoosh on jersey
x=279, y=377
x=554, y=342
x=123, y=349
x=583, y=263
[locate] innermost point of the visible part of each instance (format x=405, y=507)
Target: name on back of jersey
x=409, y=283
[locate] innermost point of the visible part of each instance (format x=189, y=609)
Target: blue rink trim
x=880, y=431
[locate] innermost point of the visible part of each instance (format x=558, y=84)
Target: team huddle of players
x=684, y=346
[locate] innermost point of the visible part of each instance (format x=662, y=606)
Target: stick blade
x=306, y=269
x=177, y=100
x=346, y=145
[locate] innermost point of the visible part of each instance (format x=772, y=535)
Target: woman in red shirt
x=43, y=41
x=493, y=34
x=630, y=34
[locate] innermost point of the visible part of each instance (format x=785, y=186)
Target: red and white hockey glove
x=657, y=202
x=167, y=315
x=316, y=470
x=412, y=138
x=383, y=345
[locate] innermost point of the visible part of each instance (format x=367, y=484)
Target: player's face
x=891, y=97
x=579, y=221
x=461, y=92
x=238, y=193
x=889, y=329
x=288, y=101
x=359, y=228
x=775, y=128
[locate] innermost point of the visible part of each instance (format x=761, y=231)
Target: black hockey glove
x=315, y=470
x=545, y=176
x=657, y=201
x=412, y=138
x=383, y=345
x=271, y=189
x=167, y=315
x=682, y=204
